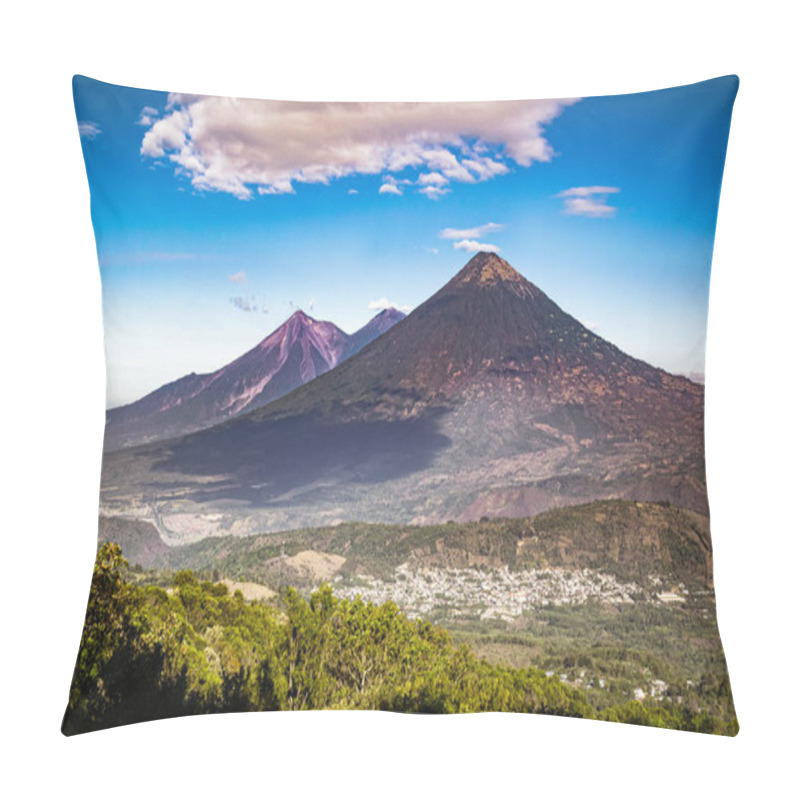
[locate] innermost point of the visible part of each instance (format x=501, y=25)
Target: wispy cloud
x=470, y=233
x=467, y=238
x=89, y=130
x=147, y=116
x=433, y=192
x=249, y=304
x=239, y=146
x=471, y=246
x=238, y=277
x=242, y=303
x=384, y=303
x=432, y=179
x=589, y=201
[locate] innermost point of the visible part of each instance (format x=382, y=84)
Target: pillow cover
x=405, y=407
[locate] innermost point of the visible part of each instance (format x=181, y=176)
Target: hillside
x=630, y=539
x=139, y=540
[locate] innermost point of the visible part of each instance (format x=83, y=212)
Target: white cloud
x=470, y=233
x=390, y=187
x=241, y=146
x=147, y=116
x=485, y=168
x=279, y=187
x=432, y=179
x=166, y=134
x=448, y=165
x=586, y=191
x=352, y=191
x=588, y=201
x=238, y=277
x=88, y=130
x=383, y=304
x=471, y=246
x=433, y=192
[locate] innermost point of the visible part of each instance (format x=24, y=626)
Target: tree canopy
x=149, y=653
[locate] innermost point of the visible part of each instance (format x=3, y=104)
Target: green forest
x=148, y=653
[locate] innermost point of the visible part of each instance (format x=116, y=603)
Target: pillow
x=405, y=407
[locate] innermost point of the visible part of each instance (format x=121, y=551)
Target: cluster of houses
x=488, y=593
x=504, y=594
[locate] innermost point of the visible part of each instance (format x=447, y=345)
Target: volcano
x=293, y=354
x=486, y=400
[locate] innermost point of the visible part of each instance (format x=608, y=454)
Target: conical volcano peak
x=301, y=316
x=488, y=269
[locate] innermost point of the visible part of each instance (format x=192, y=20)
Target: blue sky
x=216, y=218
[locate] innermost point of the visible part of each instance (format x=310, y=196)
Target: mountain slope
x=487, y=399
x=629, y=539
x=296, y=352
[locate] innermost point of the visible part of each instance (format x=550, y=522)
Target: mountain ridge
x=297, y=351
x=638, y=538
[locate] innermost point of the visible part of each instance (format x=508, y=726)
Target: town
x=488, y=593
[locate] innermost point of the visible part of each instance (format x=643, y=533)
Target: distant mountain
x=295, y=353
x=377, y=326
x=631, y=539
x=486, y=400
